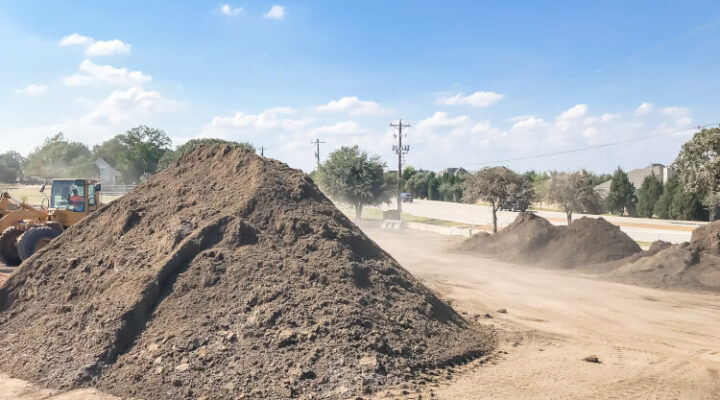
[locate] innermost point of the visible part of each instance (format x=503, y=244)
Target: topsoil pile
x=225, y=276
x=533, y=240
x=691, y=266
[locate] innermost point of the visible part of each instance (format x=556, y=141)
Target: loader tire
x=9, y=248
x=35, y=239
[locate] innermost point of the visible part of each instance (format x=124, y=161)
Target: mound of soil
x=519, y=242
x=227, y=275
x=531, y=239
x=690, y=266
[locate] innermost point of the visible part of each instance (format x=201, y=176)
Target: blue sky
x=478, y=81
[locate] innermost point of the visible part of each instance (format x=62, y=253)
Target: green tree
x=11, y=164
x=648, y=195
x=171, y=156
x=417, y=184
x=699, y=161
x=136, y=153
x=621, y=197
x=58, y=157
x=490, y=184
x=352, y=176
x=573, y=191
x=522, y=191
x=677, y=203
x=432, y=187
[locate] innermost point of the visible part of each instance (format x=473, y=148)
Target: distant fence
x=116, y=190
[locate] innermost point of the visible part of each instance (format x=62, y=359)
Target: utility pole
x=317, y=142
x=262, y=151
x=401, y=151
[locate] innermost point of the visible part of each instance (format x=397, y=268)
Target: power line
x=579, y=149
x=401, y=151
x=317, y=143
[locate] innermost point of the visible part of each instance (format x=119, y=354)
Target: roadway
x=640, y=229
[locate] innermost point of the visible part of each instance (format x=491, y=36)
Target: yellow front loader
x=26, y=229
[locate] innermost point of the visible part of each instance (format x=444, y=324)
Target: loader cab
x=72, y=199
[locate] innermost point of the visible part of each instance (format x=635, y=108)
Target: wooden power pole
x=401, y=151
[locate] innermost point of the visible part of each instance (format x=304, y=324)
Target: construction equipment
x=26, y=229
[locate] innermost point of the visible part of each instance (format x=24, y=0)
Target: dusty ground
x=652, y=344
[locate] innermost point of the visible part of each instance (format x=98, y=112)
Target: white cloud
x=530, y=122
x=32, y=90
x=271, y=119
x=644, y=109
x=477, y=99
x=342, y=128
x=121, y=104
x=441, y=118
x=108, y=47
x=96, y=47
x=573, y=112
x=94, y=74
x=230, y=11
x=354, y=106
x=275, y=12
x=76, y=39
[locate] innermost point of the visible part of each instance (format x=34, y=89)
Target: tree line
x=137, y=154
x=691, y=193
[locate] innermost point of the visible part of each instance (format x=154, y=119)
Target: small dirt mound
x=690, y=266
x=588, y=241
x=531, y=239
x=519, y=242
x=227, y=275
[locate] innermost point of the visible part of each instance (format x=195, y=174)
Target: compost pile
x=227, y=275
x=690, y=266
x=531, y=239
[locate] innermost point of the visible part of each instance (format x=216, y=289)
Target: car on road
x=406, y=197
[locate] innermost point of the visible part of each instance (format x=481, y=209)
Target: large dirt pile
x=692, y=266
x=225, y=276
x=532, y=239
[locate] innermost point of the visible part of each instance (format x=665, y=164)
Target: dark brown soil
x=226, y=276
x=688, y=266
x=533, y=240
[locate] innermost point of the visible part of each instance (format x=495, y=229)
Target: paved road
x=641, y=229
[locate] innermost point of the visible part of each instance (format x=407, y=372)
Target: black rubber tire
x=32, y=238
x=56, y=226
x=8, y=246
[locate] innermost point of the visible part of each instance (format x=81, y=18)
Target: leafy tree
x=171, y=156
x=648, y=195
x=712, y=202
x=11, y=164
x=432, y=187
x=677, y=203
x=522, y=191
x=351, y=175
x=417, y=184
x=58, y=157
x=699, y=161
x=573, y=191
x=407, y=174
x=622, y=194
x=491, y=184
x=136, y=153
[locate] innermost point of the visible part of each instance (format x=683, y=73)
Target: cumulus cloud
x=275, y=12
x=230, y=11
x=477, y=99
x=122, y=104
x=442, y=118
x=76, y=39
x=272, y=119
x=342, y=128
x=108, y=47
x=644, y=109
x=354, y=106
x=94, y=74
x=32, y=90
x=96, y=47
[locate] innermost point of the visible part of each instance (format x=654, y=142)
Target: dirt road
x=652, y=344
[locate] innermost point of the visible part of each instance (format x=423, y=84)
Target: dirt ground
x=651, y=344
